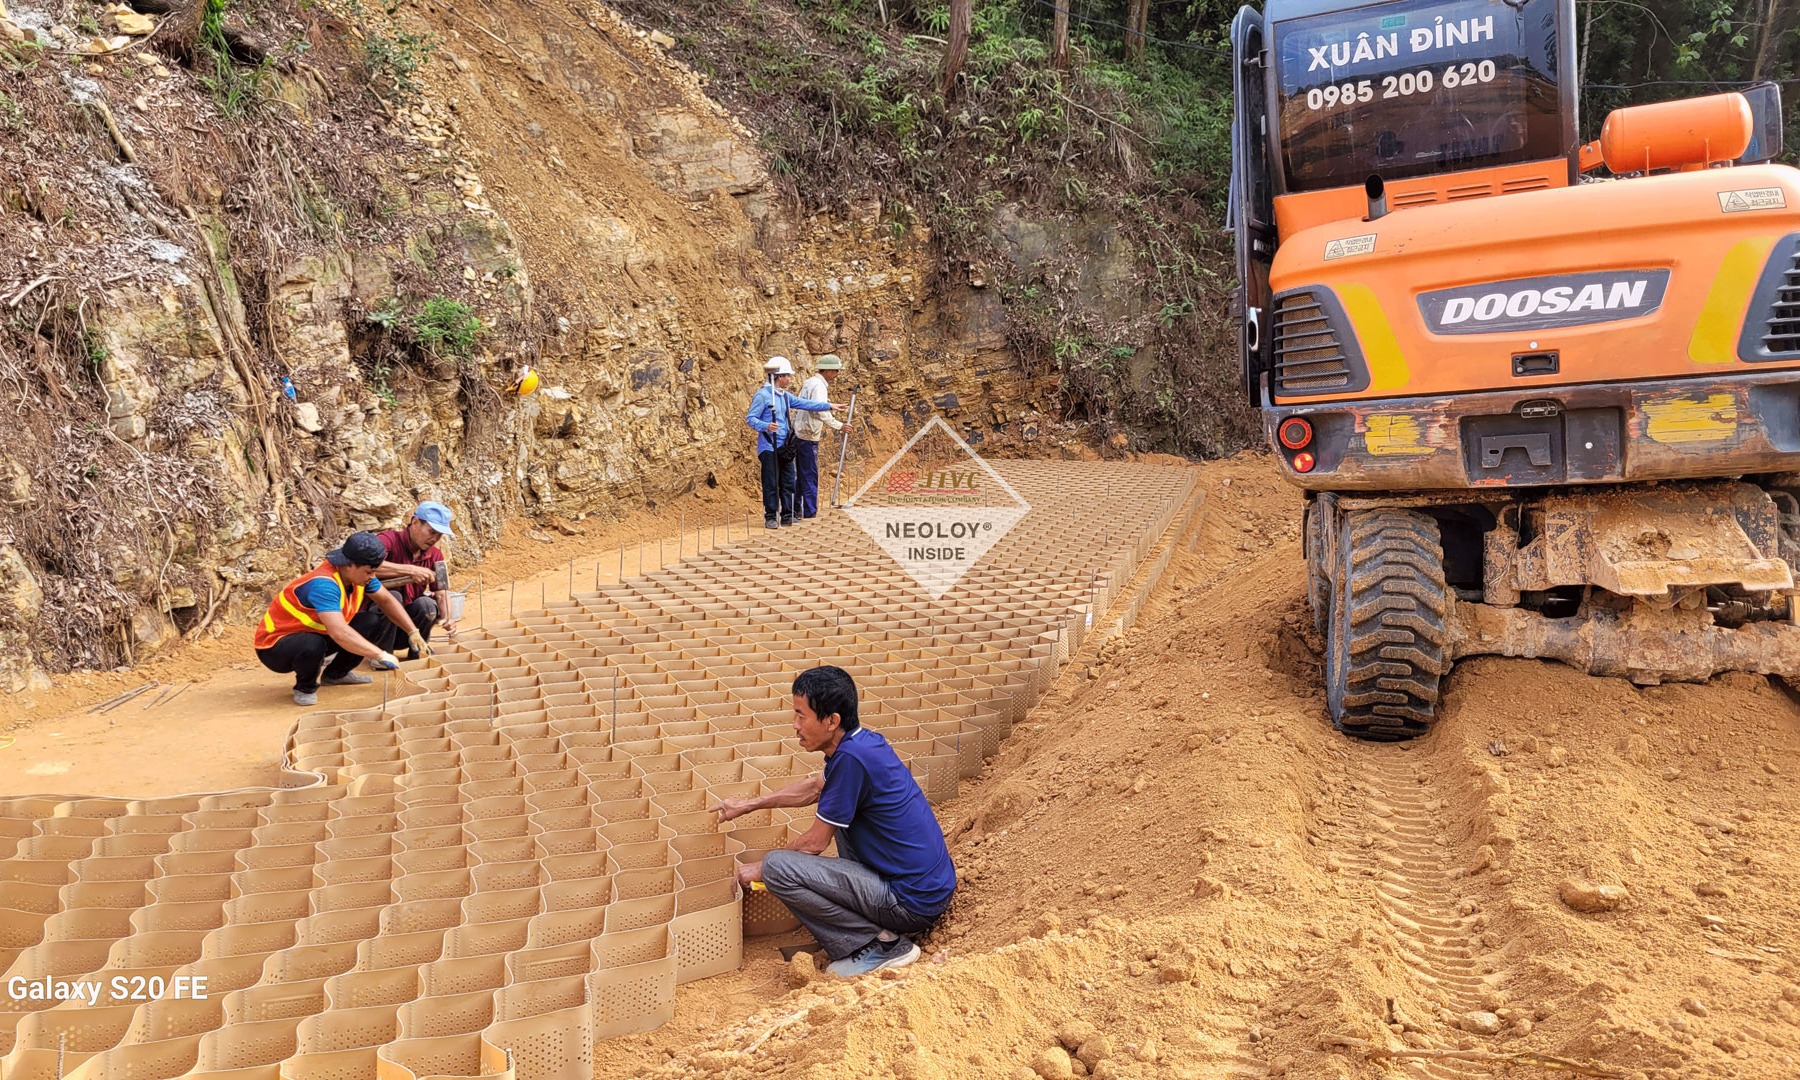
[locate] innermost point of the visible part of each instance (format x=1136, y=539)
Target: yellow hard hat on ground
x=525, y=383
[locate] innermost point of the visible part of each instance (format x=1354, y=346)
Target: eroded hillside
x=393, y=211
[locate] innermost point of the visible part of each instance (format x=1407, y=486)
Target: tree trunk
x=961, y=19
x=1059, y=37
x=1136, y=19
x=1779, y=21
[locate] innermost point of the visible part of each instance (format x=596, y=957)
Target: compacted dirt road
x=1174, y=868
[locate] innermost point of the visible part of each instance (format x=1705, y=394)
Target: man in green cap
x=809, y=428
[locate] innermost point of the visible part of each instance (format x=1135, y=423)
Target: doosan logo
x=1544, y=303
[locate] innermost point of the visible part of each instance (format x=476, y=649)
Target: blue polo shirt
x=874, y=800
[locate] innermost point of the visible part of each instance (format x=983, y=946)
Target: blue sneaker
x=874, y=956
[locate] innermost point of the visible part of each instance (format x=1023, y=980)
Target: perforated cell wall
x=484, y=878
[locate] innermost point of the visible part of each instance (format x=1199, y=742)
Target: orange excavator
x=1543, y=397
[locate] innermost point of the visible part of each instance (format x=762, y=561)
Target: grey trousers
x=845, y=904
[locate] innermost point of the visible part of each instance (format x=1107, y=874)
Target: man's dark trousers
x=424, y=614
x=790, y=490
x=771, y=485
x=807, y=474
x=303, y=653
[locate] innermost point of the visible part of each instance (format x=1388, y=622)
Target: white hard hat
x=778, y=365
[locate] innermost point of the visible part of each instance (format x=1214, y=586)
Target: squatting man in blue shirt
x=893, y=875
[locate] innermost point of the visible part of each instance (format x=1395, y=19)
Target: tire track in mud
x=1404, y=847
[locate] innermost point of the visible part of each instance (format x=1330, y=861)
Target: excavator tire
x=1318, y=580
x=1388, y=645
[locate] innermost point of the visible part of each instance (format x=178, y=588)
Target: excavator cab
x=1543, y=398
x=1343, y=112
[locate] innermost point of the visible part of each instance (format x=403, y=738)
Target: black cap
x=362, y=549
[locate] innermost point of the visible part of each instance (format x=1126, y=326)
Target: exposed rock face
x=614, y=228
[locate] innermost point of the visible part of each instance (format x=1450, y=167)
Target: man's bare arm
x=800, y=793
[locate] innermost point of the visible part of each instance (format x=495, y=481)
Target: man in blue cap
x=321, y=625
x=410, y=568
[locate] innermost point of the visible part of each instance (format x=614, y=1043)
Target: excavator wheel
x=1318, y=580
x=1388, y=643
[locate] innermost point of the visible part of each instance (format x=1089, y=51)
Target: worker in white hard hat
x=776, y=447
x=809, y=428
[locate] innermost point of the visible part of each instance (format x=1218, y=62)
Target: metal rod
x=680, y=537
x=615, y=708
x=571, y=578
x=596, y=575
x=384, y=693
x=512, y=597
x=621, y=562
x=640, y=557
x=843, y=447
x=121, y=698
x=480, y=600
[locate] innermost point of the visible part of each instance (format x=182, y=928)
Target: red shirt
x=399, y=552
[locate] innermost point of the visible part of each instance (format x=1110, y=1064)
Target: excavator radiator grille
x=1781, y=334
x=1309, y=357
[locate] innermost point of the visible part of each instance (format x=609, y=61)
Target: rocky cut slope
x=266, y=268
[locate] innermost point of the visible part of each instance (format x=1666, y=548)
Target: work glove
x=385, y=662
x=417, y=640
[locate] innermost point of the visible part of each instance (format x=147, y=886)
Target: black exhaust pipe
x=1377, y=193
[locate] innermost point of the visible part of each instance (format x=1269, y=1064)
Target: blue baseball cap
x=436, y=515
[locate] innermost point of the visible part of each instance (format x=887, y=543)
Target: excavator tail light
x=1295, y=433
x=1303, y=462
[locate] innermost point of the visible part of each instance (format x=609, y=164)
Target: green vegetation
x=1115, y=151
x=393, y=58
x=1132, y=135
x=440, y=335
x=236, y=88
x=447, y=327
x=386, y=314
x=93, y=349
x=22, y=56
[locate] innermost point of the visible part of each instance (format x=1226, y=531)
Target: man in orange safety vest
x=320, y=626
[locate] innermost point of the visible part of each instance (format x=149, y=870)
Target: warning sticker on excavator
x=1762, y=198
x=1350, y=245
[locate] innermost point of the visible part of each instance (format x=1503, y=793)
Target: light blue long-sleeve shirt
x=772, y=404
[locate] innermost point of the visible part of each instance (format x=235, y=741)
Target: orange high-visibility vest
x=287, y=615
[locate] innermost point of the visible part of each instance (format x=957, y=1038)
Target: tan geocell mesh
x=485, y=878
